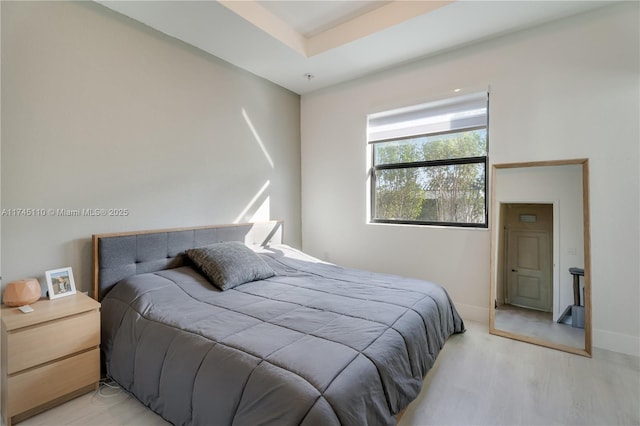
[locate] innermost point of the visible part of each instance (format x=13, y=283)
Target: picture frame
x=60, y=282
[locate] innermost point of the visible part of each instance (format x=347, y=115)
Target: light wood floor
x=478, y=379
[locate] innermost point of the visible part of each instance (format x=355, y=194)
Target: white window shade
x=452, y=114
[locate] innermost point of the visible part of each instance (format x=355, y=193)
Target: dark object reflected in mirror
x=540, y=254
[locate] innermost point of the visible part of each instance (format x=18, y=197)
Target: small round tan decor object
x=22, y=292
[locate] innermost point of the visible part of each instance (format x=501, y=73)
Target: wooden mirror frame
x=587, y=257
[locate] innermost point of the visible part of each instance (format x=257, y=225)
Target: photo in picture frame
x=60, y=283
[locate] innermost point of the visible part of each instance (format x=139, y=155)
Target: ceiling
x=306, y=45
x=311, y=18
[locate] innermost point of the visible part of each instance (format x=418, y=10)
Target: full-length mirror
x=540, y=253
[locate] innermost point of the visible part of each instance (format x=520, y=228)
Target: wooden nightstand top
x=47, y=310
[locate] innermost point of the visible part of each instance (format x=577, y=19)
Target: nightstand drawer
x=39, y=344
x=43, y=384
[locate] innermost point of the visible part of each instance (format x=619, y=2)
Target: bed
x=311, y=344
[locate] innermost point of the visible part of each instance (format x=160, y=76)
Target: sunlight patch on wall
x=257, y=137
x=263, y=213
x=243, y=217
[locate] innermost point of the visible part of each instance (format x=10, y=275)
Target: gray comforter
x=316, y=344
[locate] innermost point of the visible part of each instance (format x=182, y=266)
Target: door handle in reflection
x=514, y=270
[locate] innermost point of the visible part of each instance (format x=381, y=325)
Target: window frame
x=430, y=163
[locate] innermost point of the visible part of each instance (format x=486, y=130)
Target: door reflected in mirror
x=540, y=281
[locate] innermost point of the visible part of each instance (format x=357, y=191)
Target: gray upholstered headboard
x=119, y=255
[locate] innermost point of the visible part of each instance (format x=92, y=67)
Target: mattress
x=316, y=344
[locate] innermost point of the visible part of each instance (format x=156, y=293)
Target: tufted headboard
x=119, y=255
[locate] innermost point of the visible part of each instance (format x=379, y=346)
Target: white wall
x=99, y=111
x=568, y=89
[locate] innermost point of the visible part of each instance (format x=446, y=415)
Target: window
x=429, y=163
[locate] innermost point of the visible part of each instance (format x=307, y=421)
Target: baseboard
x=473, y=313
x=616, y=342
x=603, y=339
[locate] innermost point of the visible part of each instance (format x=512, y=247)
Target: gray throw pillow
x=229, y=264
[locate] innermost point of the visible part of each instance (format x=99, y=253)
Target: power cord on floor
x=108, y=388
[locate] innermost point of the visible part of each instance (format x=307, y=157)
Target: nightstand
x=50, y=355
